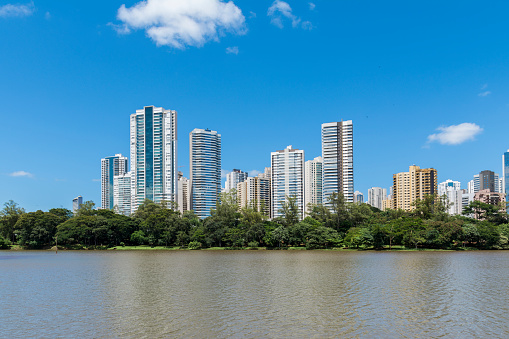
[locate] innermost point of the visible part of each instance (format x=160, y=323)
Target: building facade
x=205, y=170
x=505, y=176
x=76, y=204
x=254, y=192
x=376, y=195
x=287, y=167
x=312, y=183
x=233, y=178
x=358, y=197
x=412, y=185
x=454, y=194
x=183, y=194
x=337, y=155
x=153, y=155
x=122, y=193
x=110, y=167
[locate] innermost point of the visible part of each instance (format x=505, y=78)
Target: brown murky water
x=254, y=294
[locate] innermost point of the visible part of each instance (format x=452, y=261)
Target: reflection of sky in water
x=255, y=294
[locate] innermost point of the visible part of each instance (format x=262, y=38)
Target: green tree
x=481, y=211
x=322, y=237
x=280, y=235
x=9, y=215
x=138, y=238
x=289, y=211
x=359, y=237
x=36, y=229
x=5, y=244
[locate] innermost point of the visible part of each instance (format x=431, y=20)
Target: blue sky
x=265, y=74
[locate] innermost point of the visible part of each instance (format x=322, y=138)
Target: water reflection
x=254, y=294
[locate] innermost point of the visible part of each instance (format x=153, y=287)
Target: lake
x=248, y=294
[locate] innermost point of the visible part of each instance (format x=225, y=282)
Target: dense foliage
x=340, y=224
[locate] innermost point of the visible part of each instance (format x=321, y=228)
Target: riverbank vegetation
x=341, y=225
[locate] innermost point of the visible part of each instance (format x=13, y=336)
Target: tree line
x=339, y=224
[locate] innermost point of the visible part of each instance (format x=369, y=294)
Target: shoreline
x=172, y=249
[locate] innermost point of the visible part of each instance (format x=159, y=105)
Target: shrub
x=194, y=245
x=253, y=244
x=5, y=244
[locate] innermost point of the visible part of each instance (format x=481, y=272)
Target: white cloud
x=10, y=10
x=224, y=173
x=178, y=23
x=21, y=174
x=232, y=50
x=312, y=6
x=47, y=16
x=252, y=14
x=484, y=94
x=254, y=173
x=455, y=134
x=484, y=86
x=280, y=10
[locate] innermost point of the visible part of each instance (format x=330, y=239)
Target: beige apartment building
x=412, y=185
x=255, y=193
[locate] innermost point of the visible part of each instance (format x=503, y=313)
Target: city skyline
x=420, y=91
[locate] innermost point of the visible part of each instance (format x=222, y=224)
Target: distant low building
x=76, y=204
x=358, y=197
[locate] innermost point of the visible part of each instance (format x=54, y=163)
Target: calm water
x=248, y=294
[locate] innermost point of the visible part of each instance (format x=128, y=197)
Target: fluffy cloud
x=178, y=23
x=10, y=10
x=224, y=173
x=21, y=174
x=484, y=94
x=312, y=6
x=455, y=134
x=232, y=50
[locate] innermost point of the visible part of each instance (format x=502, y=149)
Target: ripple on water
x=254, y=294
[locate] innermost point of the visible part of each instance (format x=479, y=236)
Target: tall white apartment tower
x=204, y=170
x=110, y=167
x=233, y=178
x=287, y=179
x=376, y=195
x=313, y=183
x=153, y=155
x=337, y=154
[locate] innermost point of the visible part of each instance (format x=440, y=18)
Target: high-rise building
x=452, y=190
x=254, y=193
x=505, y=176
x=153, y=155
x=376, y=195
x=358, y=197
x=110, y=167
x=287, y=168
x=486, y=180
x=183, y=194
x=233, y=178
x=448, y=185
x=313, y=183
x=76, y=204
x=122, y=193
x=205, y=170
x=337, y=154
x=412, y=185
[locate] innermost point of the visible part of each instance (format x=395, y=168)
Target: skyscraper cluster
x=154, y=174
x=486, y=186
